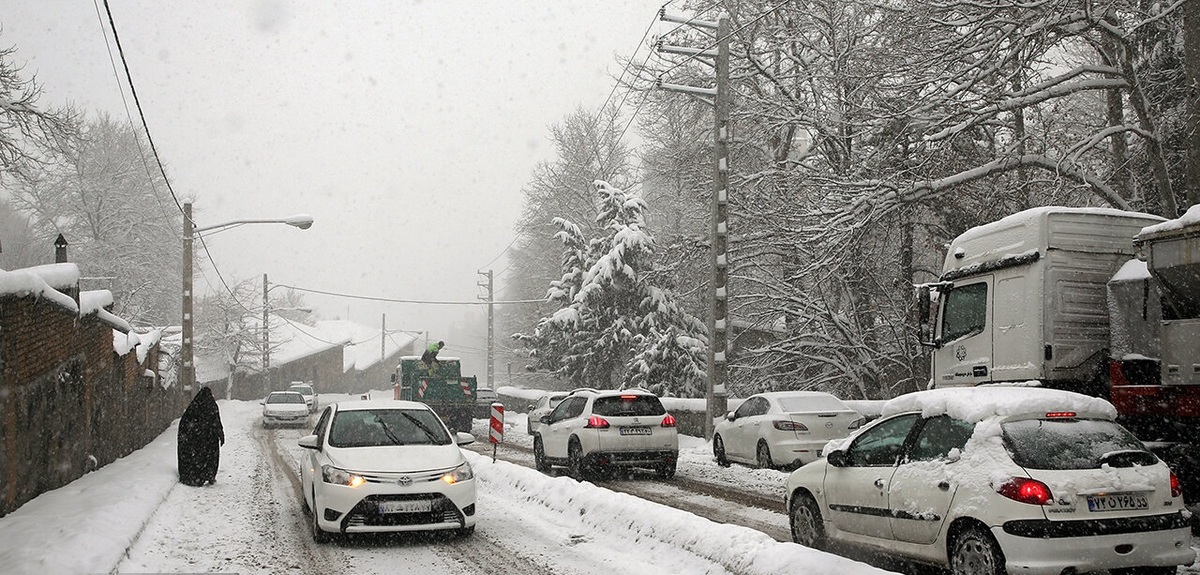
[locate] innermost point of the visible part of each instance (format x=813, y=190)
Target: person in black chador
x=200, y=439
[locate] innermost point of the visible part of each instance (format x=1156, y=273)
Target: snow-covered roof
x=362, y=350
x=1132, y=270
x=42, y=282
x=1189, y=219
x=974, y=404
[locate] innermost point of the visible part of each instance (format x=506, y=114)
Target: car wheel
x=665, y=470
x=805, y=519
x=976, y=553
x=319, y=535
x=539, y=455
x=764, y=456
x=575, y=465
x=719, y=451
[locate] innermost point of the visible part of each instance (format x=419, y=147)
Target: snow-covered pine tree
x=614, y=327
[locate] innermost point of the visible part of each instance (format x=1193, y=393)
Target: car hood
x=396, y=458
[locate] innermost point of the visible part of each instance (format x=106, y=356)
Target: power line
x=399, y=300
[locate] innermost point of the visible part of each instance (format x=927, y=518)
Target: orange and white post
x=496, y=432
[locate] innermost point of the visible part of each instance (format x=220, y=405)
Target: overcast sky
x=407, y=129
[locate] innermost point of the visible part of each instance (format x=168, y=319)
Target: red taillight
x=1116, y=373
x=669, y=421
x=596, y=422
x=1060, y=414
x=1176, y=487
x=1026, y=490
x=789, y=425
x=628, y=397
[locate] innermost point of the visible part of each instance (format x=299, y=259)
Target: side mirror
x=925, y=324
x=528, y=408
x=309, y=442
x=462, y=438
x=545, y=419
x=262, y=403
x=730, y=416
x=393, y=378
x=837, y=458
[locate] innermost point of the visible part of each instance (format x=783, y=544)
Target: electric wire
x=400, y=300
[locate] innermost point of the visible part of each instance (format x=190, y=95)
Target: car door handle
x=944, y=485
x=879, y=483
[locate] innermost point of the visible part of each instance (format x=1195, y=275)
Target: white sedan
x=988, y=481
x=782, y=428
x=376, y=466
x=284, y=408
x=542, y=407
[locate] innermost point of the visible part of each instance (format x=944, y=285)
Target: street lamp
x=187, y=369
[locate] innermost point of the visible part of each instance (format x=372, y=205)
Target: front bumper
x=296, y=420
x=348, y=509
x=1047, y=548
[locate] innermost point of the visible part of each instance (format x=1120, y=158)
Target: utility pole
x=718, y=318
x=491, y=327
x=187, y=369
x=266, y=328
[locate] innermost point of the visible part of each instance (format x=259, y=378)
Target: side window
x=760, y=407
x=939, y=436
x=965, y=312
x=560, y=412
x=319, y=429
x=881, y=445
x=576, y=408
x=745, y=409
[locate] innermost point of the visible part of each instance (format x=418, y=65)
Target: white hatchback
x=542, y=407
x=595, y=431
x=374, y=466
x=995, y=480
x=782, y=428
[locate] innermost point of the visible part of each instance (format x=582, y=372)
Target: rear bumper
x=1048, y=547
x=631, y=458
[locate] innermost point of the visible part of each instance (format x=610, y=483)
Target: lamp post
x=187, y=368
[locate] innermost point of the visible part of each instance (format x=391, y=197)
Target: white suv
x=593, y=431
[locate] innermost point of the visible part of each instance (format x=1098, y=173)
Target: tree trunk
x=1191, y=64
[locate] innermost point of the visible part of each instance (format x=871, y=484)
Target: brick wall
x=68, y=402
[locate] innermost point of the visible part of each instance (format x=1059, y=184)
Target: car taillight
x=789, y=425
x=596, y=422
x=1026, y=490
x=1176, y=486
x=668, y=421
x=1060, y=415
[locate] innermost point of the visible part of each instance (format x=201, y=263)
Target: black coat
x=200, y=439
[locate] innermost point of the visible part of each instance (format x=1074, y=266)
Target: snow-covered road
x=133, y=516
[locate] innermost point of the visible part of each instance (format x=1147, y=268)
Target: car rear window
x=1073, y=444
x=629, y=405
x=301, y=389
x=812, y=403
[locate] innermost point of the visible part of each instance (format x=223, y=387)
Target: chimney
x=60, y=250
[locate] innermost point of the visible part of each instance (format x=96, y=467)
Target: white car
x=484, y=398
x=284, y=408
x=995, y=480
x=310, y=396
x=378, y=466
x=595, y=431
x=542, y=407
x=782, y=428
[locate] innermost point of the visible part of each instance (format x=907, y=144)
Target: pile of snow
x=974, y=404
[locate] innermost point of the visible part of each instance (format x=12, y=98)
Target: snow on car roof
x=379, y=404
x=974, y=404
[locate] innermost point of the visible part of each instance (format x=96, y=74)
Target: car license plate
x=1119, y=502
x=413, y=506
x=635, y=431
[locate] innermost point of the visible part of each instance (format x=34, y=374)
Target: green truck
x=444, y=389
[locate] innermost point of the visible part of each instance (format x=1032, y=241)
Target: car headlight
x=461, y=473
x=337, y=476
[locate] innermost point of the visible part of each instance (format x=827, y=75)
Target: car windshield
x=284, y=398
x=618, y=405
x=376, y=427
x=1073, y=444
x=795, y=404
x=302, y=389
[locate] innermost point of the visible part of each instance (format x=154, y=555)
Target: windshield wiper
x=387, y=430
x=428, y=432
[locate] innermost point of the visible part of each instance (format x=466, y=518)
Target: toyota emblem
x=404, y=481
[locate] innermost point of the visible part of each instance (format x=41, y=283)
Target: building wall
x=68, y=402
